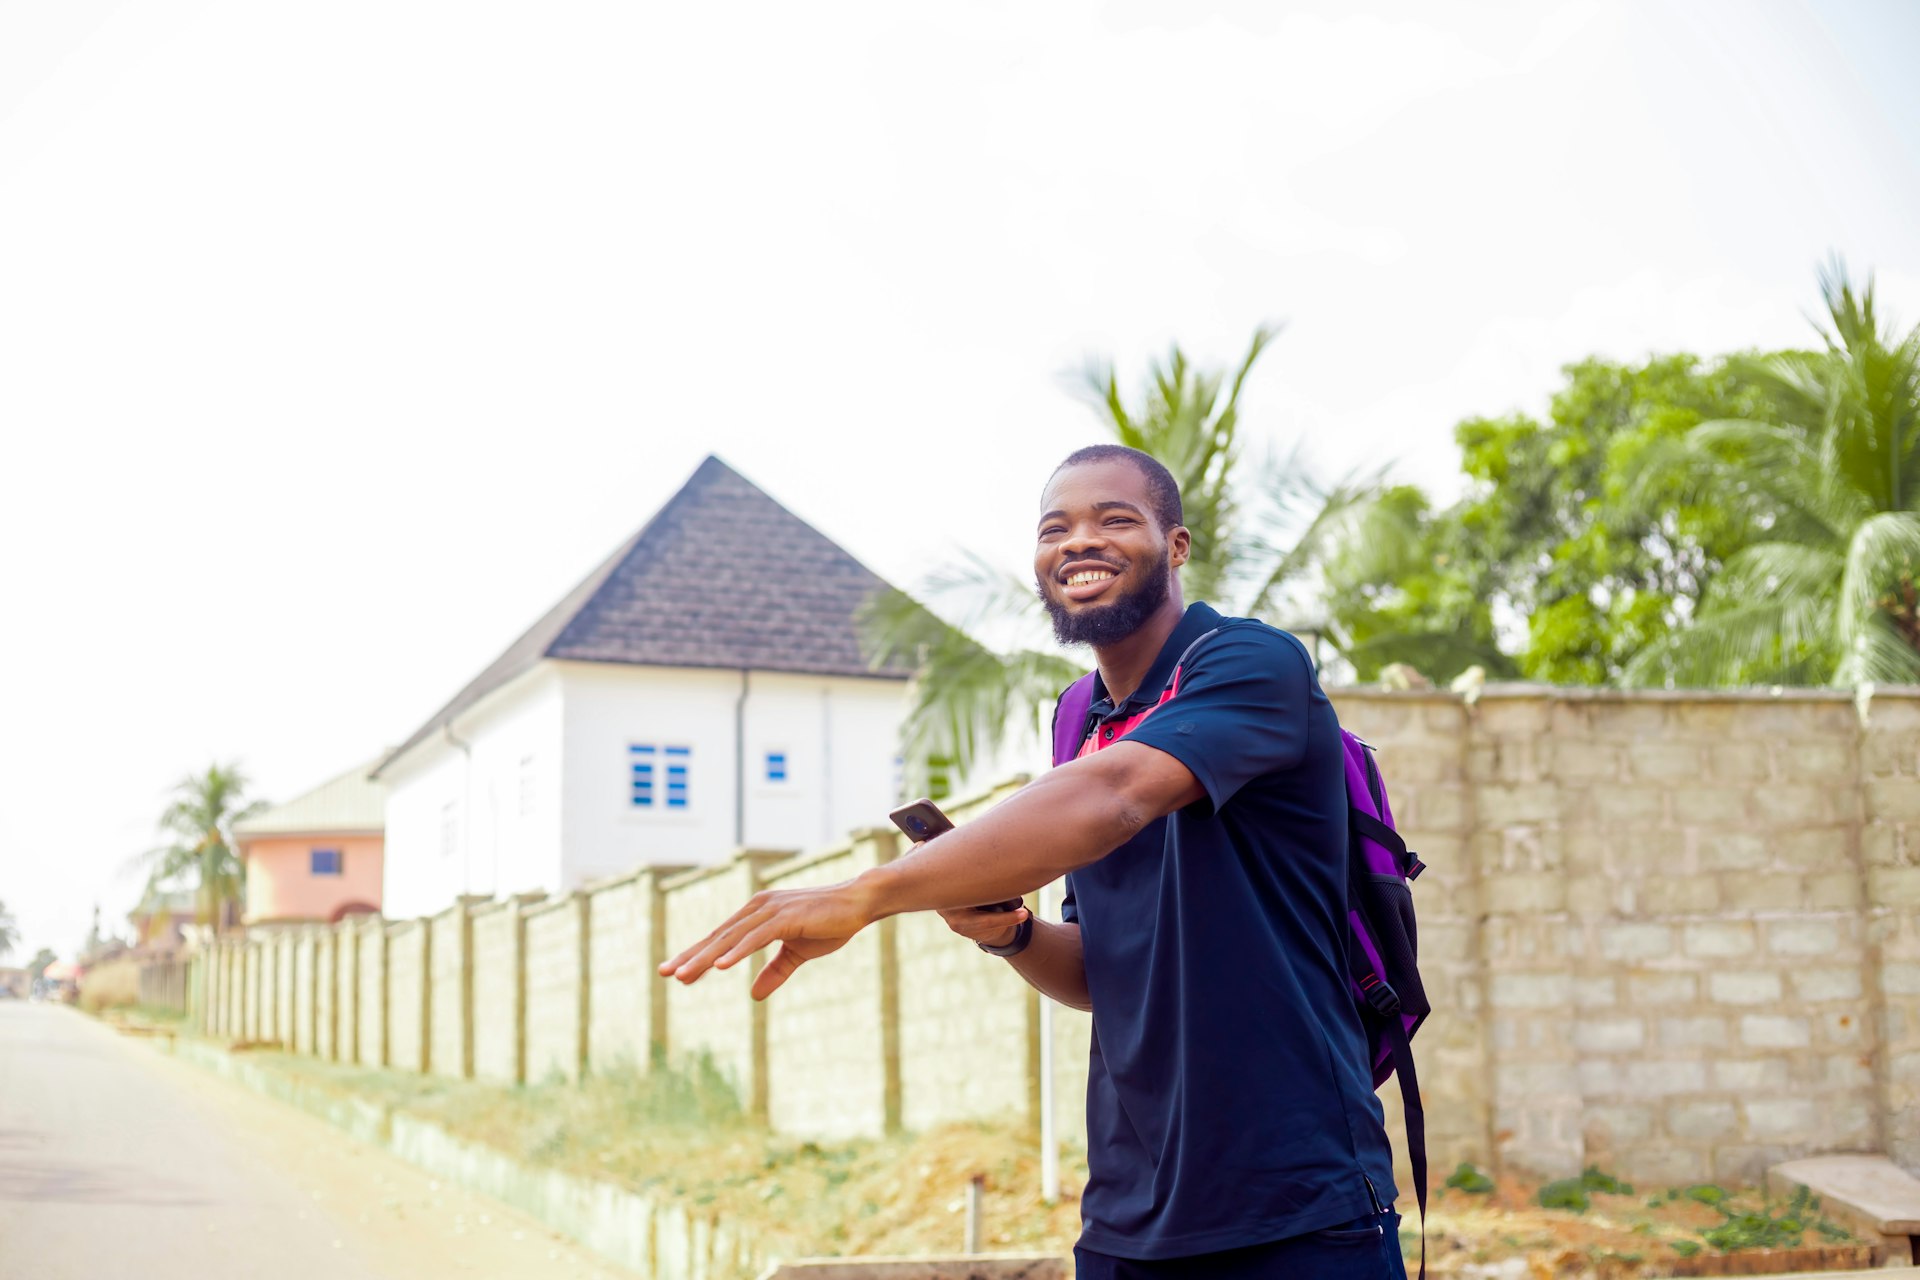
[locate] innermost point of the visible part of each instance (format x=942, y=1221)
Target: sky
x=338, y=341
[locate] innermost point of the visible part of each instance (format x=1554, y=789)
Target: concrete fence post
x=754, y=863
x=310, y=942
x=879, y=846
x=425, y=1012
x=465, y=941
x=519, y=904
x=657, y=956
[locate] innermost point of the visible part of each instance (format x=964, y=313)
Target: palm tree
x=200, y=820
x=1253, y=542
x=1830, y=596
x=9, y=932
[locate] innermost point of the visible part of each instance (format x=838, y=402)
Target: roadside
x=115, y=1160
x=679, y=1139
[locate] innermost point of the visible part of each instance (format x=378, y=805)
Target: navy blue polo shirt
x=1229, y=1100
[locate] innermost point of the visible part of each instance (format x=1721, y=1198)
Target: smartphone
x=922, y=821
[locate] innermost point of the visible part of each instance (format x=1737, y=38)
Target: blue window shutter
x=640, y=756
x=679, y=766
x=776, y=766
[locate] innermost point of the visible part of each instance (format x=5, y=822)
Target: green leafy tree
x=199, y=819
x=38, y=965
x=1567, y=556
x=1826, y=592
x=1257, y=531
x=9, y=932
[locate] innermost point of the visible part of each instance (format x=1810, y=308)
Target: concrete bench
x=979, y=1266
x=1869, y=1195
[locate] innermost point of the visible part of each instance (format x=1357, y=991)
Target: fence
x=1678, y=934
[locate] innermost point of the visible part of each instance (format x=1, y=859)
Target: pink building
x=317, y=857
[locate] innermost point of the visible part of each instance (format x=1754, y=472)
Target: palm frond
x=1884, y=549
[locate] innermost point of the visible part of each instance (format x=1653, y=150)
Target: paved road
x=116, y=1160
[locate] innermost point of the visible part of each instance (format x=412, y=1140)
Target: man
x=1232, y=1129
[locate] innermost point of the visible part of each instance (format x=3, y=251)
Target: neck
x=1125, y=663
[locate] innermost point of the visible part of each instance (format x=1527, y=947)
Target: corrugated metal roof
x=722, y=576
x=350, y=802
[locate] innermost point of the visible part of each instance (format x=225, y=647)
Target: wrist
x=1022, y=935
x=870, y=893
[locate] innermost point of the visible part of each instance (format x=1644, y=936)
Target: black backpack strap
x=1416, y=1118
x=1380, y=833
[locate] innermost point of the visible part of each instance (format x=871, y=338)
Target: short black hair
x=1163, y=491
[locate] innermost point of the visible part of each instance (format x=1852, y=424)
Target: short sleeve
x=1241, y=711
x=1069, y=907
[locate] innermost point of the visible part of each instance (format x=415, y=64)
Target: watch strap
x=1022, y=935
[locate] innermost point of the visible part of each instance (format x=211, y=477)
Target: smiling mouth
x=1086, y=576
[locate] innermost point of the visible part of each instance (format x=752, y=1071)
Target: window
x=640, y=785
x=325, y=862
x=657, y=775
x=776, y=766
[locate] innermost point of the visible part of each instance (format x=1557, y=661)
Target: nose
x=1082, y=539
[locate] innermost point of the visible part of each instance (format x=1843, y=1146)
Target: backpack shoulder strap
x=1070, y=718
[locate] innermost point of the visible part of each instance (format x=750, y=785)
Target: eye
x=1052, y=530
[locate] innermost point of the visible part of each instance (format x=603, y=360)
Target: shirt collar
x=1199, y=619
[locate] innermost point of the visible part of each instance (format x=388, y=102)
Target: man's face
x=1103, y=564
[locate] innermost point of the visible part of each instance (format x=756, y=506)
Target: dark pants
x=1365, y=1249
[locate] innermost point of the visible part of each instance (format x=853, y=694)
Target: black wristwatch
x=1022, y=935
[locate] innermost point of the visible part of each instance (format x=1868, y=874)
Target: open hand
x=807, y=923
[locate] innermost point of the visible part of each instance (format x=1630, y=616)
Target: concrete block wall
x=969, y=1027
x=626, y=1016
x=723, y=1024
x=301, y=967
x=556, y=988
x=1674, y=934
x=1890, y=874
x=346, y=1003
x=324, y=1002
x=499, y=998
x=449, y=1004
x=370, y=943
x=837, y=1070
x=408, y=990
x=1421, y=746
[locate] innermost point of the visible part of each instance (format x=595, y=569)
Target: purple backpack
x=1382, y=943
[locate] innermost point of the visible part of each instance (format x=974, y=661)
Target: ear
x=1179, y=545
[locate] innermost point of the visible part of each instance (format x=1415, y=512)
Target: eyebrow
x=1112, y=505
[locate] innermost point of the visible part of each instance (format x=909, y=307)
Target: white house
x=703, y=690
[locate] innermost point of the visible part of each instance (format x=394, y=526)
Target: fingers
x=698, y=958
x=976, y=925
x=777, y=971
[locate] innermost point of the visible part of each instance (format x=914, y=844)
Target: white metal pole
x=1049, y=1130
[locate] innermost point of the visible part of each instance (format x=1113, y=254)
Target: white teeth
x=1082, y=578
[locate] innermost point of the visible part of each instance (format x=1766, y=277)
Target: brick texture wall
x=554, y=977
x=301, y=946
x=1674, y=934
x=826, y=1045
x=448, y=1002
x=407, y=992
x=621, y=1028
x=497, y=997
x=370, y=939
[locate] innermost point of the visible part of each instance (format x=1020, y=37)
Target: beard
x=1110, y=623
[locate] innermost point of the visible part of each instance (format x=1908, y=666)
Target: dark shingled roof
x=723, y=576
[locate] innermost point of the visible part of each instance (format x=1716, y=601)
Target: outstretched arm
x=1066, y=819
